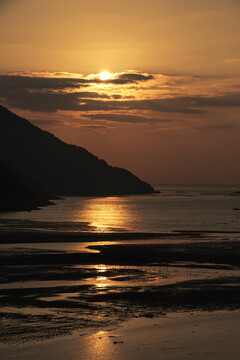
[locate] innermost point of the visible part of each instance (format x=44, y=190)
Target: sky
x=169, y=111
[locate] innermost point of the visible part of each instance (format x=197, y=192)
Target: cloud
x=59, y=93
x=11, y=82
x=46, y=122
x=227, y=100
x=54, y=80
x=95, y=127
x=218, y=127
x=126, y=118
x=43, y=94
x=129, y=78
x=50, y=102
x=181, y=104
x=30, y=90
x=232, y=60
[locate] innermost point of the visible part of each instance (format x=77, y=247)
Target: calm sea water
x=206, y=208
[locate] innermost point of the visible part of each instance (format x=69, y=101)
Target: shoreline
x=212, y=252
x=33, y=236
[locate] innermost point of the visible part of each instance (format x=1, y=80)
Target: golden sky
x=170, y=110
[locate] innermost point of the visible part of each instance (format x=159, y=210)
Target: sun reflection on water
x=104, y=214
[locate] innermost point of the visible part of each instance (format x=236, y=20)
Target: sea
x=174, y=208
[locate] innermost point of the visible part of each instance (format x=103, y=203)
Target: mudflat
x=125, y=300
x=194, y=335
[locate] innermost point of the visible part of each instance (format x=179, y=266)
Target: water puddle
x=106, y=276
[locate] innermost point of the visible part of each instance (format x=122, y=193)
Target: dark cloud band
x=53, y=94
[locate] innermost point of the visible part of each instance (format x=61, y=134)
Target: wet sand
x=47, y=293
x=197, y=335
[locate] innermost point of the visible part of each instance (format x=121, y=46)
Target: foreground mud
x=46, y=293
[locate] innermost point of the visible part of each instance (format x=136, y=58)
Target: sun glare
x=105, y=75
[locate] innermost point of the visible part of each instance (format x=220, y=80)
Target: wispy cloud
x=128, y=118
x=232, y=60
x=217, y=127
x=39, y=83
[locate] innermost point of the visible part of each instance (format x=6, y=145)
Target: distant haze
x=170, y=110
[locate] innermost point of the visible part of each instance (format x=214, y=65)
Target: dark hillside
x=54, y=167
x=15, y=195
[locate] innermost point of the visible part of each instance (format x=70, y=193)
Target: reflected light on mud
x=100, y=346
x=101, y=281
x=104, y=214
x=101, y=332
x=101, y=268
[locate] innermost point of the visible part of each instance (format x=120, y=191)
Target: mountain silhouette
x=15, y=195
x=51, y=166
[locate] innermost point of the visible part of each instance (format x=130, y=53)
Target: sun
x=105, y=75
